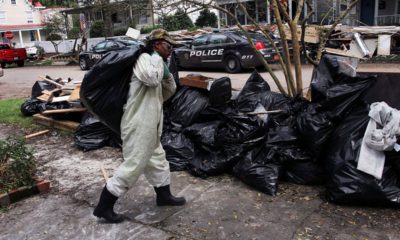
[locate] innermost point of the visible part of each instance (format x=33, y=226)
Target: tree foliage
x=180, y=20
x=55, y=29
x=206, y=18
x=97, y=29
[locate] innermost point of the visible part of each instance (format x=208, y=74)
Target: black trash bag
x=178, y=148
x=203, y=133
x=306, y=173
x=211, y=161
x=220, y=92
x=92, y=134
x=211, y=157
x=40, y=86
x=342, y=96
x=252, y=93
x=257, y=170
x=173, y=68
x=32, y=106
x=238, y=129
x=323, y=77
x=104, y=89
x=185, y=108
x=346, y=184
x=314, y=128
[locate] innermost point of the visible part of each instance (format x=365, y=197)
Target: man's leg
x=158, y=174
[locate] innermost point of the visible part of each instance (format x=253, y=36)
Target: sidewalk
x=218, y=208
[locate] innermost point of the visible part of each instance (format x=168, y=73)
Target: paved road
x=17, y=82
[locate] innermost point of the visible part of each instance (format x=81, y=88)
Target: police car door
x=195, y=54
x=216, y=47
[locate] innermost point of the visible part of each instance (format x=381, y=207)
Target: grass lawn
x=10, y=113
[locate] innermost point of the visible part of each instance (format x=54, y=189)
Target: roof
x=21, y=27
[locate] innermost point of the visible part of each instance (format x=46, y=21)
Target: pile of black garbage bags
x=263, y=137
x=259, y=136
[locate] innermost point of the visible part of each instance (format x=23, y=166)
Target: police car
x=88, y=58
x=228, y=50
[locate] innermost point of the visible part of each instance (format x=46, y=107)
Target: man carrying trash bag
x=141, y=127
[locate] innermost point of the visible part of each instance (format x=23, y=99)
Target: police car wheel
x=83, y=63
x=232, y=64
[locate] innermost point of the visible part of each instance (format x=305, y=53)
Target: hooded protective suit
x=141, y=126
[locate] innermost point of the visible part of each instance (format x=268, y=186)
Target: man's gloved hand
x=166, y=71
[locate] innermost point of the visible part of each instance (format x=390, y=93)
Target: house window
x=29, y=16
x=13, y=2
x=3, y=17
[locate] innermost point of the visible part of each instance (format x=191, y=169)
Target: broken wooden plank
x=65, y=125
x=66, y=110
x=51, y=81
x=197, y=81
x=75, y=94
x=103, y=171
x=36, y=134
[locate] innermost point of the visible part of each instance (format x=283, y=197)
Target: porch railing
x=385, y=20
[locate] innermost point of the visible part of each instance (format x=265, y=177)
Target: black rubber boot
x=165, y=198
x=105, y=207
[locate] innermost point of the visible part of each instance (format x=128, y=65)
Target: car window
x=219, y=38
x=200, y=41
x=100, y=46
x=111, y=45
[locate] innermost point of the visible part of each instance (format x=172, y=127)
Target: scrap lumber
x=103, y=171
x=66, y=110
x=69, y=126
x=197, y=81
x=36, y=134
x=51, y=81
x=75, y=94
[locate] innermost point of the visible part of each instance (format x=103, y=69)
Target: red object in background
x=9, y=35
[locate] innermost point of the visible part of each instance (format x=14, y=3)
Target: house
x=23, y=19
x=366, y=12
x=123, y=14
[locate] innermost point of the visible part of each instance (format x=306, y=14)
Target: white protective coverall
x=141, y=127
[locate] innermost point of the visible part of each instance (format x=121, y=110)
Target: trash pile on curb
x=259, y=136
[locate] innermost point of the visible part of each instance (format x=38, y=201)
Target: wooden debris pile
x=60, y=104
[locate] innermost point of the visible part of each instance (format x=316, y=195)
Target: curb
x=41, y=186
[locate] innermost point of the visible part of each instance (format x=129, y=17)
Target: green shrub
x=74, y=33
x=54, y=37
x=17, y=164
x=97, y=29
x=119, y=32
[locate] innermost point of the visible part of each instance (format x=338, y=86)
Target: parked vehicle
x=228, y=50
x=10, y=55
x=88, y=58
x=34, y=52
